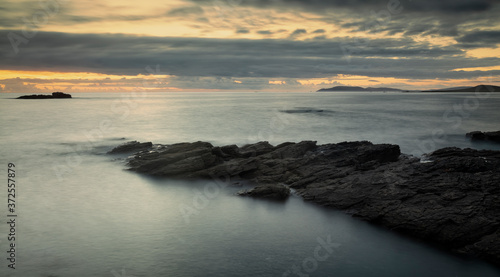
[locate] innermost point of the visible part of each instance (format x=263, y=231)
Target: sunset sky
x=246, y=45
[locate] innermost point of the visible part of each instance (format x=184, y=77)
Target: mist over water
x=81, y=214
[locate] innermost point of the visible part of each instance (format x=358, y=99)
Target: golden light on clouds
x=49, y=75
x=245, y=45
x=484, y=53
x=486, y=68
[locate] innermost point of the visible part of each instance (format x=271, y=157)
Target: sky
x=246, y=45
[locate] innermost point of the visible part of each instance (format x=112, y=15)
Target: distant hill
x=480, y=88
x=349, y=88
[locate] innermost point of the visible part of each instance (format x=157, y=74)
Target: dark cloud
x=242, y=31
x=319, y=31
x=420, y=17
x=480, y=39
x=298, y=32
x=265, y=32
x=205, y=57
x=186, y=11
x=442, y=6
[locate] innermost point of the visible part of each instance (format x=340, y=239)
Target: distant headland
x=350, y=88
x=54, y=95
x=479, y=88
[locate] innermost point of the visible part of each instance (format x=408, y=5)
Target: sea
x=76, y=211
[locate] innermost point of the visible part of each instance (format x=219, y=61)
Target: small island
x=54, y=95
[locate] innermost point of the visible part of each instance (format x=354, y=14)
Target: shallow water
x=81, y=214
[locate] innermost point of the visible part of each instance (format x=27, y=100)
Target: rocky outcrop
x=54, y=95
x=269, y=191
x=484, y=136
x=452, y=198
x=130, y=147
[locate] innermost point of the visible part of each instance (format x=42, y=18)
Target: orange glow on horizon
x=51, y=75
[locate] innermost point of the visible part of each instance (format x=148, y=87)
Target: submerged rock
x=54, y=95
x=454, y=199
x=132, y=146
x=484, y=136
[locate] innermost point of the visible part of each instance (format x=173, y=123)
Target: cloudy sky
x=246, y=45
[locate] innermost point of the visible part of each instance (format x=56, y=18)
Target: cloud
x=242, y=31
x=298, y=32
x=442, y=6
x=480, y=39
x=319, y=31
x=423, y=17
x=265, y=32
x=207, y=57
x=186, y=11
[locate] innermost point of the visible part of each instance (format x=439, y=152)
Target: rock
x=131, y=146
x=182, y=160
x=274, y=192
x=59, y=94
x=54, y=95
x=484, y=136
x=453, y=200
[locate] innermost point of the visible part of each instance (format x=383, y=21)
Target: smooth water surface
x=81, y=214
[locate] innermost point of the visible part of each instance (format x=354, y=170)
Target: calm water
x=81, y=214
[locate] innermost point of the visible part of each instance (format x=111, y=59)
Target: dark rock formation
x=486, y=136
x=454, y=199
x=480, y=88
x=55, y=95
x=130, y=147
x=269, y=191
x=349, y=88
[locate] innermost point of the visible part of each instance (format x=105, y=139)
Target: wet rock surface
x=453, y=198
x=269, y=191
x=130, y=147
x=484, y=136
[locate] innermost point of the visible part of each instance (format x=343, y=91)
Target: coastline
x=451, y=199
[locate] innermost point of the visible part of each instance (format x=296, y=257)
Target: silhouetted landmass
x=54, y=95
x=480, y=88
x=349, y=88
x=484, y=136
x=453, y=198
